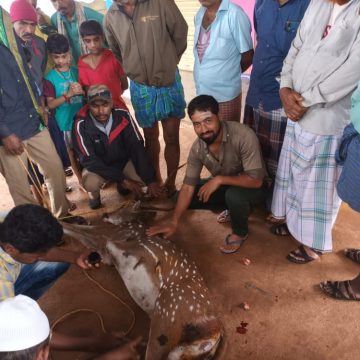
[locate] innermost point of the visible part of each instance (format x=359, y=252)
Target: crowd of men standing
x=299, y=131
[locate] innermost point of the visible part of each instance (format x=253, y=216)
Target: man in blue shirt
x=223, y=49
x=276, y=23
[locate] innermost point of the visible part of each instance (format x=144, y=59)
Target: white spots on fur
x=172, y=319
x=191, y=308
x=180, y=298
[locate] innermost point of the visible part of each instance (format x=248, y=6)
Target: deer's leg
x=158, y=346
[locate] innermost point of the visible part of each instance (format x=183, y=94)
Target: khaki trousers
x=93, y=182
x=42, y=152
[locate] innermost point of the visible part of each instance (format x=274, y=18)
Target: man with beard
x=110, y=148
x=231, y=153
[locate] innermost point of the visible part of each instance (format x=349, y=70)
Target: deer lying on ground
x=167, y=286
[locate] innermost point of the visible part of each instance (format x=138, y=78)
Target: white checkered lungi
x=305, y=186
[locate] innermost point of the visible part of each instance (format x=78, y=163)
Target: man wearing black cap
x=106, y=141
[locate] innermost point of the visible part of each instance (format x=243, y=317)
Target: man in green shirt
x=68, y=18
x=231, y=153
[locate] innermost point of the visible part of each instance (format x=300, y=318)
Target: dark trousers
x=58, y=140
x=238, y=200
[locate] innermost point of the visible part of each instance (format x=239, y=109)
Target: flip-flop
x=353, y=254
x=300, y=256
x=228, y=242
x=223, y=217
x=340, y=290
x=280, y=230
x=272, y=220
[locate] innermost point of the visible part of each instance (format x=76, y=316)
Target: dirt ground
x=289, y=318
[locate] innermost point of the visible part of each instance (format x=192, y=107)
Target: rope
x=37, y=185
x=123, y=204
x=100, y=318
x=173, y=172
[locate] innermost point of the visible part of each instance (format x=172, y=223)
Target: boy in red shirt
x=100, y=66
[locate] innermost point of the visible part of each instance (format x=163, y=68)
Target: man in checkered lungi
x=319, y=74
x=149, y=38
x=276, y=23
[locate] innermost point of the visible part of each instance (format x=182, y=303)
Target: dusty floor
x=289, y=318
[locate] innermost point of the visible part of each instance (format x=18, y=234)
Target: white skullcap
x=22, y=324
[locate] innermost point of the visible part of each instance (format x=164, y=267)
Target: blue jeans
x=35, y=279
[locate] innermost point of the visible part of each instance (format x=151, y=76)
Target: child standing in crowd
x=100, y=66
x=68, y=98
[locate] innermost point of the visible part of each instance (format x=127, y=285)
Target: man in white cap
x=24, y=329
x=25, y=333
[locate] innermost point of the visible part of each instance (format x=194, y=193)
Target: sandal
x=231, y=246
x=300, y=255
x=280, y=230
x=72, y=206
x=353, y=254
x=224, y=217
x=340, y=290
x=273, y=220
x=68, y=172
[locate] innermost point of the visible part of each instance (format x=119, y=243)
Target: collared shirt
x=105, y=129
x=275, y=27
x=72, y=29
x=325, y=71
x=9, y=272
x=219, y=72
x=239, y=153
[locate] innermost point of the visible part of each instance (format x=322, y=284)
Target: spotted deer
x=168, y=286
